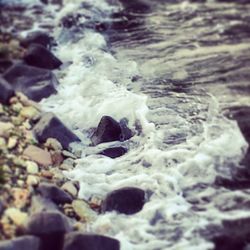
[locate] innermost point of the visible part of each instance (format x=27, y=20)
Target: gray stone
x=127, y=200
x=50, y=126
x=78, y=241
x=6, y=91
x=54, y=193
x=21, y=243
x=38, y=56
x=36, y=37
x=34, y=82
x=50, y=227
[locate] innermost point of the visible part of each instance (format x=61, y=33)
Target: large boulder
x=110, y=130
x=49, y=126
x=34, y=82
x=36, y=37
x=50, y=227
x=78, y=241
x=114, y=152
x=54, y=193
x=6, y=91
x=21, y=243
x=38, y=56
x=129, y=200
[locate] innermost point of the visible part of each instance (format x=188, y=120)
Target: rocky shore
x=39, y=206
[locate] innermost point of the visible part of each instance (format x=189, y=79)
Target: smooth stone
x=114, y=152
x=54, y=144
x=128, y=200
x=54, y=193
x=36, y=37
x=83, y=210
x=29, y=112
x=21, y=243
x=12, y=142
x=5, y=128
x=70, y=188
x=32, y=167
x=32, y=180
x=18, y=217
x=38, y=155
x=35, y=83
x=109, y=130
x=50, y=227
x=77, y=241
x=6, y=91
x=49, y=126
x=38, y=56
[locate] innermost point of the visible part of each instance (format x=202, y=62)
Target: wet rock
x=114, y=152
x=50, y=126
x=6, y=91
x=34, y=82
x=109, y=130
x=76, y=241
x=38, y=155
x=83, y=210
x=36, y=37
x=21, y=243
x=50, y=227
x=38, y=56
x=54, y=193
x=127, y=200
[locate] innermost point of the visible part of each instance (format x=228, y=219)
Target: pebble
x=20, y=196
x=32, y=180
x=2, y=143
x=47, y=174
x=29, y=112
x=70, y=188
x=32, y=167
x=57, y=158
x=38, y=155
x=18, y=217
x=17, y=107
x=68, y=154
x=54, y=144
x=83, y=210
x=5, y=127
x=12, y=142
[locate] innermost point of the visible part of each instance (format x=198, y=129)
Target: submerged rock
x=110, y=130
x=50, y=227
x=127, y=200
x=36, y=37
x=6, y=91
x=54, y=193
x=50, y=126
x=21, y=243
x=77, y=241
x=38, y=56
x=34, y=82
x=114, y=152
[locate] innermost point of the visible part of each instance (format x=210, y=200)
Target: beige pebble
x=17, y=107
x=12, y=142
x=18, y=217
x=70, y=188
x=47, y=174
x=5, y=127
x=29, y=112
x=83, y=210
x=32, y=180
x=2, y=143
x=54, y=144
x=68, y=154
x=32, y=167
x=38, y=155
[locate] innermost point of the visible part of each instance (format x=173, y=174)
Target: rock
x=50, y=126
x=54, y=144
x=34, y=82
x=32, y=167
x=54, y=193
x=29, y=112
x=36, y=37
x=70, y=188
x=50, y=227
x=109, y=130
x=5, y=64
x=38, y=56
x=83, y=210
x=57, y=158
x=21, y=197
x=114, y=152
x=127, y=200
x=21, y=243
x=32, y=180
x=5, y=128
x=6, y=91
x=12, y=142
x=126, y=132
x=47, y=174
x=18, y=217
x=77, y=241
x=38, y=155
x=68, y=154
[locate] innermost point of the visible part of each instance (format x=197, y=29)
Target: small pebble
x=12, y=142
x=32, y=167
x=54, y=144
x=29, y=112
x=70, y=188
x=32, y=180
x=18, y=217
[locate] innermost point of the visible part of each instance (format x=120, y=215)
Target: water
x=172, y=68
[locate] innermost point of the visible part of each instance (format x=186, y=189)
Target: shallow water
x=172, y=69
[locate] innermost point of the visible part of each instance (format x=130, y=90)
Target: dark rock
x=127, y=200
x=50, y=126
x=36, y=37
x=38, y=56
x=5, y=64
x=50, y=227
x=21, y=243
x=54, y=193
x=126, y=132
x=34, y=82
x=114, y=152
x=77, y=241
x=6, y=91
x=110, y=130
